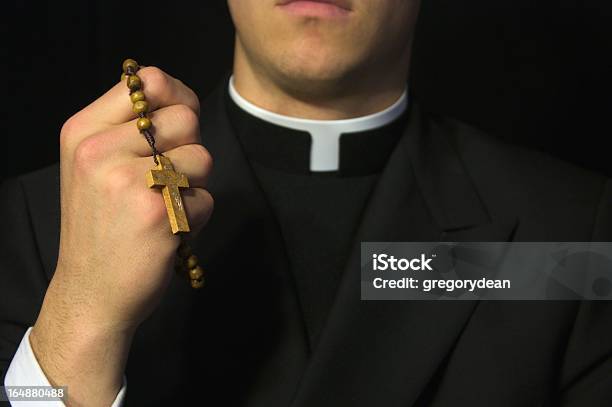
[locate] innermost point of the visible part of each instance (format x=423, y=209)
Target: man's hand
x=116, y=247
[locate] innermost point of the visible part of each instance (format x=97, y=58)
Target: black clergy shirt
x=318, y=212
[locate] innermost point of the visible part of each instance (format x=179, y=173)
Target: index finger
x=159, y=88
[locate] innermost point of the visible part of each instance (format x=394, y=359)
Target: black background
x=533, y=72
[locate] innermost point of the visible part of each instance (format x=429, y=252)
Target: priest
x=317, y=146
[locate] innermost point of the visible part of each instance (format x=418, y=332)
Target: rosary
x=165, y=177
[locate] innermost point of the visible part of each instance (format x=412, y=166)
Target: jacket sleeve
x=587, y=367
x=22, y=279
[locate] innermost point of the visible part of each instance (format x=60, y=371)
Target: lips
x=342, y=4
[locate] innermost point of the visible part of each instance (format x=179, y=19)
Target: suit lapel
x=386, y=352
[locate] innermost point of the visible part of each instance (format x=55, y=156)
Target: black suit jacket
x=242, y=341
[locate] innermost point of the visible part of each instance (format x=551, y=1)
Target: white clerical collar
x=325, y=134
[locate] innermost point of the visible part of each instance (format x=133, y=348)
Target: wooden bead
x=197, y=283
x=140, y=107
x=134, y=82
x=192, y=261
x=137, y=96
x=130, y=64
x=143, y=123
x=196, y=273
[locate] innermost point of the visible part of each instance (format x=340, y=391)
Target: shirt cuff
x=24, y=370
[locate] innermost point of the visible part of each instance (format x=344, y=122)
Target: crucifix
x=164, y=176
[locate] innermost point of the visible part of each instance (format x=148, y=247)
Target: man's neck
x=343, y=102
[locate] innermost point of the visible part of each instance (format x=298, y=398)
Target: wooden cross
x=163, y=176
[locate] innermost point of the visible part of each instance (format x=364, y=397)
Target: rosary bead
x=140, y=107
x=130, y=64
x=196, y=273
x=143, y=123
x=124, y=76
x=134, y=82
x=137, y=96
x=197, y=283
x=192, y=261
